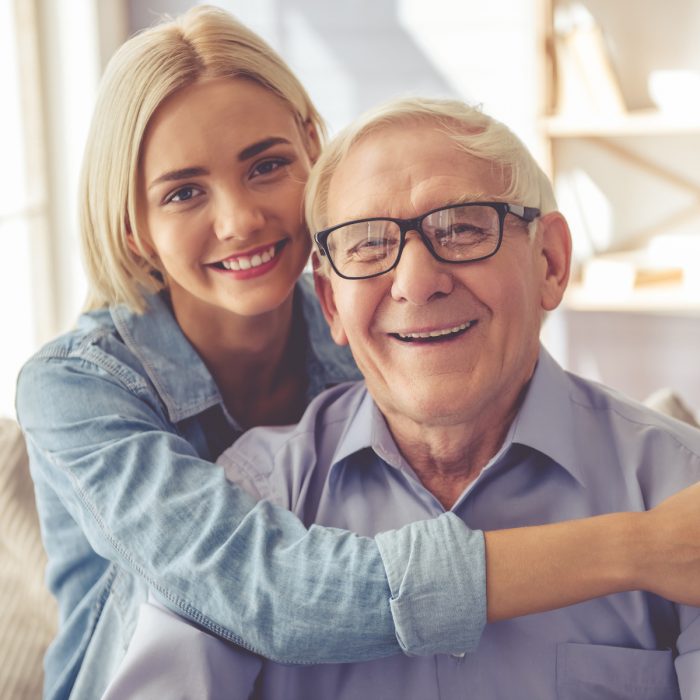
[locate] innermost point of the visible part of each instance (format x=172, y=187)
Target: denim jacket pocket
x=598, y=672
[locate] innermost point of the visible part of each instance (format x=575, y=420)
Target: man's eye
x=371, y=248
x=375, y=243
x=460, y=233
x=183, y=194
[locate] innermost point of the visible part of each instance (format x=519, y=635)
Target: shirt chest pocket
x=597, y=672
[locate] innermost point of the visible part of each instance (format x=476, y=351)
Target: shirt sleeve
x=168, y=657
x=247, y=572
x=688, y=659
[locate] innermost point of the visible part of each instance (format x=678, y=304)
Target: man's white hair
x=474, y=132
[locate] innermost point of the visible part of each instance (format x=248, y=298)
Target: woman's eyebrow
x=248, y=152
x=260, y=146
x=181, y=174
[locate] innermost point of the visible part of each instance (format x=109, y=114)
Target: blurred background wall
x=605, y=94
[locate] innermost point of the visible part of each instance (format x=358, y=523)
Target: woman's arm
x=116, y=481
x=540, y=568
x=111, y=465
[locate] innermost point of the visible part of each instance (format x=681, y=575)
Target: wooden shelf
x=670, y=300
x=641, y=123
x=592, y=115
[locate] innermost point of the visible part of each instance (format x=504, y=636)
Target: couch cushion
x=667, y=401
x=27, y=610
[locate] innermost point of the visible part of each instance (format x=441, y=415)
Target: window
x=22, y=194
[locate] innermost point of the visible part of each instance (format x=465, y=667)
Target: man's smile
x=434, y=335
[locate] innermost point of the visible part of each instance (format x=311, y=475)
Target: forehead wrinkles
x=405, y=172
x=400, y=193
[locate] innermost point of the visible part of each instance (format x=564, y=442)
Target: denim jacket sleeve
x=127, y=487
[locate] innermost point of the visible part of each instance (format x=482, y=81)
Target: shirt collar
x=366, y=428
x=546, y=421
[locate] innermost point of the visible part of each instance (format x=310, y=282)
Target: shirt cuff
x=437, y=576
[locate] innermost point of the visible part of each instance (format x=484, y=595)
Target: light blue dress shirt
x=575, y=449
x=123, y=422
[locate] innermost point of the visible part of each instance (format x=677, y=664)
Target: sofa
x=27, y=610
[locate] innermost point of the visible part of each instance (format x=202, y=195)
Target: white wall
x=45, y=122
x=350, y=55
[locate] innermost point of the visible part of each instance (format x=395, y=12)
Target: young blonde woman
x=199, y=327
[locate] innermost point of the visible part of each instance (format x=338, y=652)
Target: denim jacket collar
x=178, y=373
x=181, y=378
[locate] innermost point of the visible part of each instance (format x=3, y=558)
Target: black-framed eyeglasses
x=458, y=233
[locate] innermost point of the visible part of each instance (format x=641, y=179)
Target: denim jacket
x=123, y=422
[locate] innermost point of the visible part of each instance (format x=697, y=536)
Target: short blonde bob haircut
x=204, y=42
x=472, y=131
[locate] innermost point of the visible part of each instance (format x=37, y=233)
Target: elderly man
x=441, y=252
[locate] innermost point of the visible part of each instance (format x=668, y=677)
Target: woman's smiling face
x=222, y=173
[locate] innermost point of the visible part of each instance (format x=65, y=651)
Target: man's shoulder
x=280, y=455
x=613, y=405
x=662, y=453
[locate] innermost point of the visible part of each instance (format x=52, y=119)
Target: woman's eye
x=267, y=167
x=183, y=194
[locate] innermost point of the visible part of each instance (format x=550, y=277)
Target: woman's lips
x=253, y=263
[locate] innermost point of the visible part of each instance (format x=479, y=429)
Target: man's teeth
x=435, y=334
x=245, y=263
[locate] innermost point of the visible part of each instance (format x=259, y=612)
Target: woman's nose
x=419, y=277
x=238, y=215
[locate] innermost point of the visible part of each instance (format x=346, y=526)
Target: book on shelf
x=586, y=79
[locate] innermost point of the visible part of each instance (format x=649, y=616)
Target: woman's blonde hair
x=472, y=131
x=204, y=42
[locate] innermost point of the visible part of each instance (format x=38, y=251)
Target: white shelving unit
x=642, y=162
x=630, y=156
x=652, y=122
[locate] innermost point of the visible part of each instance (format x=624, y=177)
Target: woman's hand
x=668, y=548
x=532, y=569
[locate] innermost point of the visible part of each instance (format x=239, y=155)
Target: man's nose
x=419, y=277
x=237, y=215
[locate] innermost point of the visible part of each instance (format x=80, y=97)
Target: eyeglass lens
x=456, y=234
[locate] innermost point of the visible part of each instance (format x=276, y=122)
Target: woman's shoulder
x=94, y=328
x=110, y=339
x=91, y=328
x=118, y=352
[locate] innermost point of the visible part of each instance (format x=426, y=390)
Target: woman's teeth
x=246, y=263
x=435, y=334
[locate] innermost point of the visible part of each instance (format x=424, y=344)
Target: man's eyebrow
x=471, y=197
x=260, y=146
x=181, y=174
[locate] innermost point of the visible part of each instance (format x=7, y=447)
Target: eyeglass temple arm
x=526, y=213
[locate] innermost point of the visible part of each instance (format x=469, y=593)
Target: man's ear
x=324, y=290
x=555, y=252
